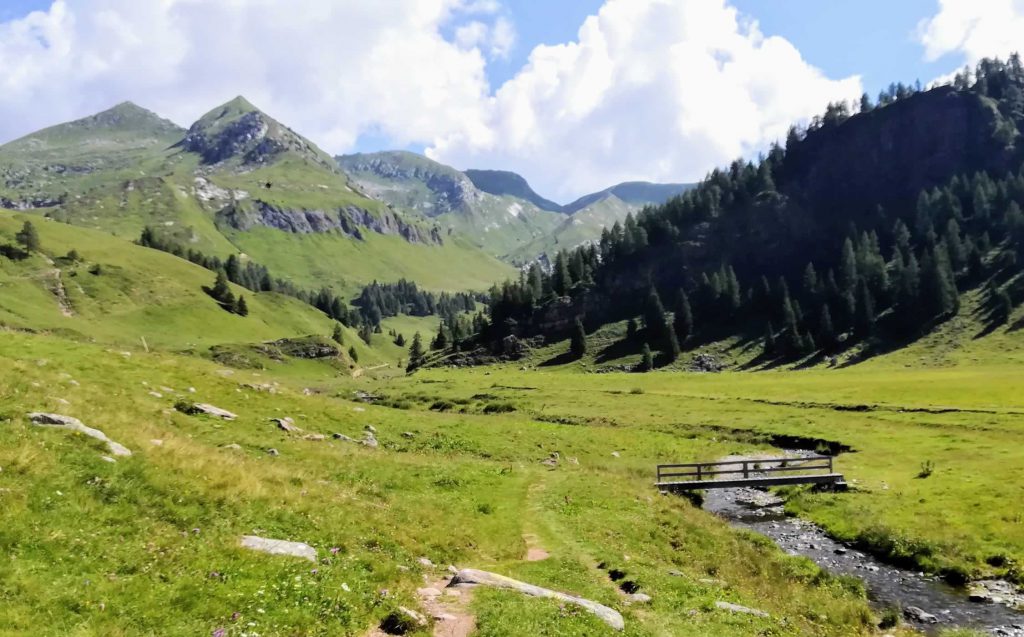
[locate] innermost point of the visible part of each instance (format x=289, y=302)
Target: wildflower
x=220, y=632
x=334, y=550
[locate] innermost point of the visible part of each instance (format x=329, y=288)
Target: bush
x=499, y=408
x=890, y=618
x=927, y=469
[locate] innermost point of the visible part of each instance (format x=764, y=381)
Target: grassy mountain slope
x=503, y=182
x=632, y=193
x=496, y=210
x=137, y=293
x=234, y=171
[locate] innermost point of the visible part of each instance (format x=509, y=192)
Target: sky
x=575, y=95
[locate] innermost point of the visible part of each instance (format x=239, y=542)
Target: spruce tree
x=631, y=329
x=28, y=238
x=578, y=341
x=864, y=324
x=353, y=354
x=770, y=348
x=646, y=359
x=221, y=290
x=1002, y=306
x=338, y=336
x=654, y=318
x=241, y=307
x=826, y=331
x=682, y=321
x=416, y=352
x=848, y=269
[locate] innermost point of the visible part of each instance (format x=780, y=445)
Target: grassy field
x=966, y=421
x=150, y=544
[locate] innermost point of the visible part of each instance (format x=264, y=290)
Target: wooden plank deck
x=765, y=472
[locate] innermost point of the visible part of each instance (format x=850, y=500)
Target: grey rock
x=484, y=578
x=743, y=610
x=286, y=424
x=370, y=441
x=74, y=424
x=273, y=452
x=343, y=438
x=207, y=409
x=913, y=613
x=638, y=598
x=279, y=547
x=234, y=446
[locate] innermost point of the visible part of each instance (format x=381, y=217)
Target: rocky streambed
x=926, y=601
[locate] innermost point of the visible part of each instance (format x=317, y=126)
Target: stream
x=887, y=586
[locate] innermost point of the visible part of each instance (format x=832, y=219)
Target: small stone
x=615, y=454
x=156, y=442
x=408, y=434
x=425, y=562
x=743, y=610
x=428, y=592
x=314, y=437
x=273, y=452
x=920, y=616
x=371, y=429
x=156, y=394
x=342, y=437
x=234, y=446
x=286, y=424
x=107, y=459
x=279, y=547
x=639, y=598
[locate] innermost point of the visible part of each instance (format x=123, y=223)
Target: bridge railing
x=746, y=468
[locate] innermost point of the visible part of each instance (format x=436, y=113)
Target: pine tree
x=864, y=324
x=682, y=321
x=848, y=269
x=938, y=289
x=631, y=329
x=241, y=307
x=578, y=342
x=770, y=347
x=561, y=278
x=654, y=318
x=826, y=332
x=28, y=238
x=440, y=341
x=1002, y=306
x=338, y=336
x=353, y=354
x=400, y=340
x=646, y=359
x=221, y=290
x=416, y=352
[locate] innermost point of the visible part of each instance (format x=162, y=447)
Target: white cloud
x=652, y=89
x=974, y=28
x=332, y=69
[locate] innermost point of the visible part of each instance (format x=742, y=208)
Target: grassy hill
x=234, y=171
x=496, y=210
x=130, y=297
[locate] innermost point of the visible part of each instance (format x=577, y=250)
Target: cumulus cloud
x=651, y=89
x=973, y=28
x=332, y=69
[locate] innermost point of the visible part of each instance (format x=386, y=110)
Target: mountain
x=497, y=210
x=866, y=231
x=631, y=193
x=236, y=181
x=503, y=182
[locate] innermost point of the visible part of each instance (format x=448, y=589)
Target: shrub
x=499, y=408
x=927, y=468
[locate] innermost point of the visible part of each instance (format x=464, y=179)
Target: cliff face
x=348, y=220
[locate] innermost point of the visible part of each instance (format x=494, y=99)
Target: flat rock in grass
x=193, y=409
x=484, y=578
x=279, y=547
x=74, y=424
x=742, y=610
x=286, y=424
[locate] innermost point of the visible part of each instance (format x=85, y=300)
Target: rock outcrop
x=74, y=424
x=472, y=576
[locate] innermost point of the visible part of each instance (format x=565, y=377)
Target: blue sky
x=871, y=38
x=641, y=95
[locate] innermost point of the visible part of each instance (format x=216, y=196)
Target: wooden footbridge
x=767, y=472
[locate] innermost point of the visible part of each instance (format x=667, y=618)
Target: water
x=887, y=585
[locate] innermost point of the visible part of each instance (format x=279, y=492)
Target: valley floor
x=150, y=544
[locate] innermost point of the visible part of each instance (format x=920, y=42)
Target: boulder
x=234, y=446
x=743, y=610
x=343, y=438
x=484, y=578
x=913, y=613
x=278, y=547
x=193, y=409
x=370, y=440
x=74, y=424
x=273, y=452
x=286, y=424
x=314, y=437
